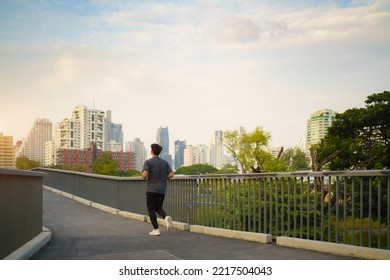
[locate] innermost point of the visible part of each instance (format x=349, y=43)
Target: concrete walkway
x=80, y=232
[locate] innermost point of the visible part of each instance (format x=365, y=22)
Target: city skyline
x=193, y=66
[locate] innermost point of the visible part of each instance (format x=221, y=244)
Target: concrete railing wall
x=20, y=208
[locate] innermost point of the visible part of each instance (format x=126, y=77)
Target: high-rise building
x=216, y=150
x=162, y=138
x=138, y=148
x=67, y=135
x=91, y=126
x=191, y=155
x=113, y=135
x=317, y=126
x=179, y=153
x=33, y=146
x=7, y=152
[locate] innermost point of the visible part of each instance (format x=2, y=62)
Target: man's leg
x=151, y=203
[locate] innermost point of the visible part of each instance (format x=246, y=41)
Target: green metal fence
x=351, y=207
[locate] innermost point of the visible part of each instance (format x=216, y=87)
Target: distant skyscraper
x=317, y=126
x=179, y=153
x=162, y=138
x=7, y=152
x=216, y=150
x=33, y=145
x=138, y=148
x=113, y=135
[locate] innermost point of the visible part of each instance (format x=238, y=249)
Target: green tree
x=105, y=165
x=229, y=169
x=295, y=160
x=251, y=150
x=25, y=163
x=360, y=135
x=196, y=169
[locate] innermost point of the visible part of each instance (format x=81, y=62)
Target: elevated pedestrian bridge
x=258, y=216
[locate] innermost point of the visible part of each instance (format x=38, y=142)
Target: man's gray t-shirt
x=158, y=174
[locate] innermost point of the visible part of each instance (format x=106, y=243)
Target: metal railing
x=20, y=208
x=351, y=207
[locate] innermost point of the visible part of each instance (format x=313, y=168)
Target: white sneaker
x=155, y=232
x=168, y=221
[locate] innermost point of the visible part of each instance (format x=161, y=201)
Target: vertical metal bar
x=270, y=206
x=216, y=202
x=379, y=212
x=234, y=204
x=322, y=207
x=276, y=207
x=329, y=207
x=249, y=204
x=224, y=203
x=315, y=207
x=301, y=207
x=353, y=212
x=239, y=204
x=337, y=208
x=295, y=207
x=370, y=212
x=254, y=204
x=282, y=205
x=388, y=213
x=265, y=206
x=345, y=211
x=244, y=216
x=288, y=205
x=229, y=203
x=260, y=201
x=361, y=211
x=308, y=208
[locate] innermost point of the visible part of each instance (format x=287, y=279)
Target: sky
x=192, y=66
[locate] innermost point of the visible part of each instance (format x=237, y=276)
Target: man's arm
x=145, y=174
x=170, y=175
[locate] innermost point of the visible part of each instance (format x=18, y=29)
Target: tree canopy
x=359, y=136
x=196, y=169
x=105, y=165
x=251, y=150
x=25, y=163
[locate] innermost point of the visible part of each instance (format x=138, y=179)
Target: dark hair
x=156, y=148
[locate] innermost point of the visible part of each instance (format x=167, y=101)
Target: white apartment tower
x=91, y=126
x=191, y=155
x=317, y=126
x=67, y=135
x=33, y=145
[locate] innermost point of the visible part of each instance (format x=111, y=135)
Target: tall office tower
x=33, y=145
x=179, y=153
x=113, y=135
x=162, y=138
x=317, y=126
x=138, y=148
x=216, y=150
x=7, y=151
x=91, y=126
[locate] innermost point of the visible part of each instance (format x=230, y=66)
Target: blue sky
x=194, y=66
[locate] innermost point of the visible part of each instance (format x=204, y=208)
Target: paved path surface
x=80, y=232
